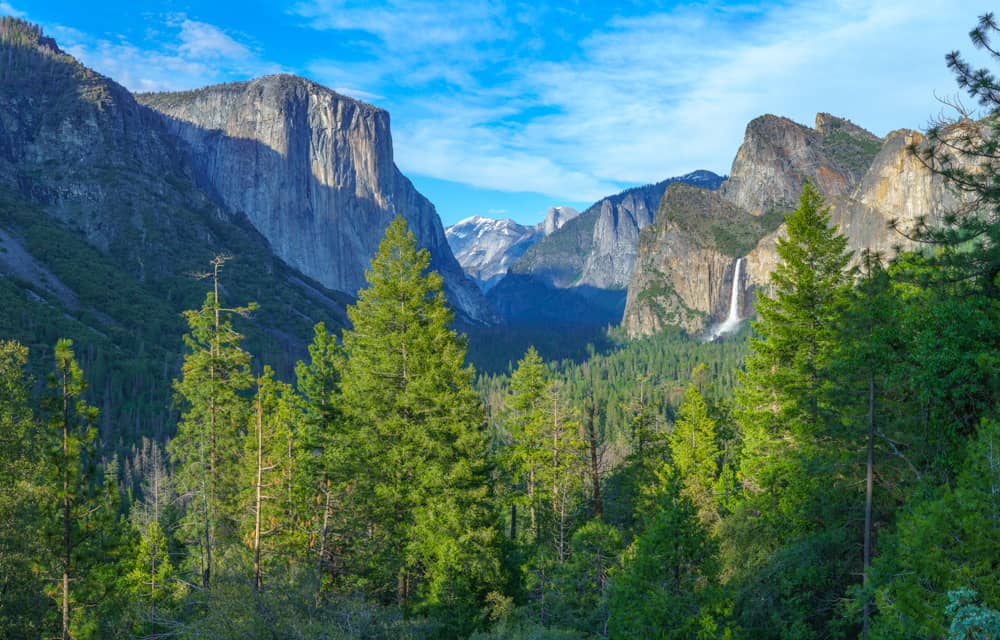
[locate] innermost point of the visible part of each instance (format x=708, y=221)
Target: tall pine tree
x=214, y=378
x=421, y=487
x=795, y=469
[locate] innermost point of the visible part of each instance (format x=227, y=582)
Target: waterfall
x=732, y=321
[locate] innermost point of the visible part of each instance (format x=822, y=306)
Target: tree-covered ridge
x=846, y=485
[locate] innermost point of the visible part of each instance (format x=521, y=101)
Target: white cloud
x=179, y=54
x=201, y=40
x=640, y=98
x=8, y=10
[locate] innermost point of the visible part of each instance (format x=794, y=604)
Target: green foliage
x=713, y=222
x=668, y=586
x=853, y=151
x=420, y=487
x=22, y=607
x=794, y=458
x=945, y=541
x=695, y=454
x=214, y=377
x=969, y=620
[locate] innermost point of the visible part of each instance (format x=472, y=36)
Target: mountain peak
x=18, y=32
x=828, y=124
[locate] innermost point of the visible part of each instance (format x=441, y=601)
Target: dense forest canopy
x=832, y=471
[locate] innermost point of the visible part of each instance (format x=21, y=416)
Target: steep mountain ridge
x=585, y=265
x=103, y=222
x=314, y=172
x=776, y=158
x=487, y=247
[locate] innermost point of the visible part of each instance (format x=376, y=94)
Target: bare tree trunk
x=555, y=449
x=595, y=477
x=257, y=578
x=869, y=486
x=531, y=505
x=324, y=533
x=66, y=507
x=513, y=521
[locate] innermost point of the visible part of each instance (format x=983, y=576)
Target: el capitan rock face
x=314, y=172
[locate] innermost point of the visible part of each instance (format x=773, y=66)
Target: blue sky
x=507, y=108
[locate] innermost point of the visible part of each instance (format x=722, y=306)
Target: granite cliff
x=585, y=265
x=684, y=275
x=313, y=171
x=487, y=247
x=103, y=223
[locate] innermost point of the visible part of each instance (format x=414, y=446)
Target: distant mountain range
x=109, y=201
x=577, y=275
x=487, y=247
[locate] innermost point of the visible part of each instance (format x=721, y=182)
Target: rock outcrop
x=591, y=258
x=314, y=172
x=686, y=261
x=103, y=221
x=778, y=155
x=487, y=247
x=867, y=182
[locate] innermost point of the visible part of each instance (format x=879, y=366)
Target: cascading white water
x=732, y=321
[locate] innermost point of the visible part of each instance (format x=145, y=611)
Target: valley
x=251, y=385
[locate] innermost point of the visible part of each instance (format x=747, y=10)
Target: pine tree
x=695, y=455
x=421, y=489
x=325, y=451
x=206, y=450
x=21, y=606
x=668, y=586
x=783, y=399
x=526, y=418
x=271, y=507
x=795, y=469
x=965, y=152
x=71, y=448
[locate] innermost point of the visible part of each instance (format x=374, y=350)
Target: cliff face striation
x=313, y=171
x=684, y=274
x=103, y=223
x=586, y=264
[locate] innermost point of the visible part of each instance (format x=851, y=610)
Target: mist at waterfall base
x=733, y=320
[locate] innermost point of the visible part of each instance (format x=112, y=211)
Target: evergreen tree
x=206, y=450
x=965, y=152
x=22, y=606
x=783, y=398
x=948, y=542
x=526, y=418
x=71, y=456
x=668, y=586
x=422, y=488
x=325, y=452
x=695, y=455
x=795, y=466
x=271, y=506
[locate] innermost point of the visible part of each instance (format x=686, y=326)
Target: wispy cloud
x=200, y=41
x=8, y=10
x=179, y=53
x=489, y=100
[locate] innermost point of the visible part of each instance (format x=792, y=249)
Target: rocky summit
x=487, y=247
x=313, y=171
x=687, y=258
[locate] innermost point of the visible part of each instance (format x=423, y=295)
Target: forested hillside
x=832, y=470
